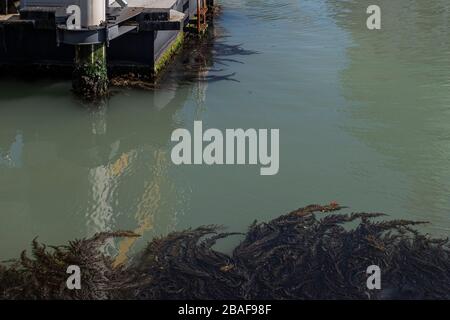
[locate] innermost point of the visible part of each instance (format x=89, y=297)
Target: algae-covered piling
x=309, y=253
x=90, y=75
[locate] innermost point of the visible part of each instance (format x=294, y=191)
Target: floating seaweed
x=44, y=275
x=310, y=253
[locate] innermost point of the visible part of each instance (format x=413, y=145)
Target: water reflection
x=96, y=168
x=12, y=156
x=363, y=115
x=87, y=169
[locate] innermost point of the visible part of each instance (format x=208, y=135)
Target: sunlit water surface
x=364, y=119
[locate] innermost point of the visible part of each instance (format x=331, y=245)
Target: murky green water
x=364, y=119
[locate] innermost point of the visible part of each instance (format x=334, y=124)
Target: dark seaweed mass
x=306, y=254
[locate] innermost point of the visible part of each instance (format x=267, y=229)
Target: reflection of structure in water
x=116, y=165
x=107, y=179
x=12, y=157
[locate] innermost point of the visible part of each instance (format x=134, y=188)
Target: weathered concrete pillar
x=90, y=76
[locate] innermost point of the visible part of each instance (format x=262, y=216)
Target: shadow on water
x=202, y=59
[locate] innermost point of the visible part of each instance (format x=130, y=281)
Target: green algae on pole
x=90, y=75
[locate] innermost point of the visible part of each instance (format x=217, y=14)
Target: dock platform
x=136, y=35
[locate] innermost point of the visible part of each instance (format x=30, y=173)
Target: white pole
x=93, y=12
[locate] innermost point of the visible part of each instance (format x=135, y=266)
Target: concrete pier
x=140, y=37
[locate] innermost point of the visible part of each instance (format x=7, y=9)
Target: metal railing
x=202, y=9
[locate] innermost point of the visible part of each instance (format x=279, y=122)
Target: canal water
x=364, y=119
